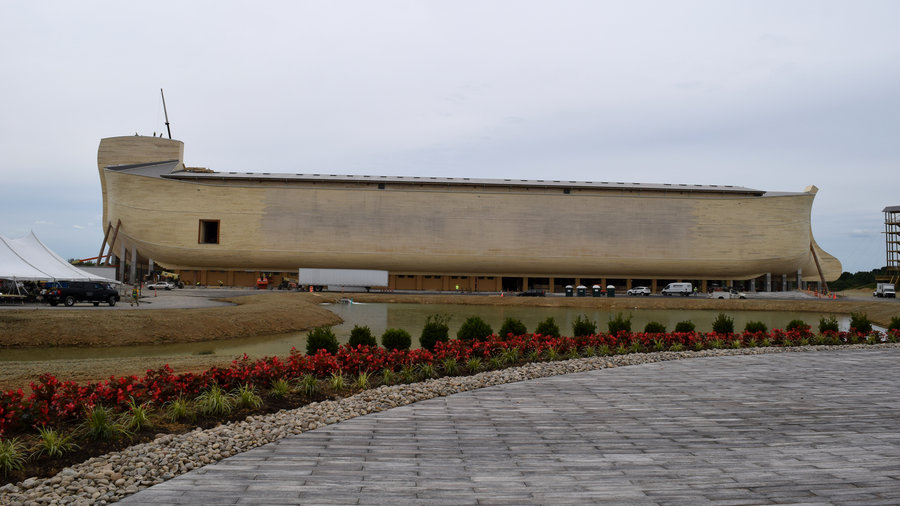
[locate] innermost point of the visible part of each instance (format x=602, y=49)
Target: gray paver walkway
x=817, y=428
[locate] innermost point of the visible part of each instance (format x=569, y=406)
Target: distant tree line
x=862, y=279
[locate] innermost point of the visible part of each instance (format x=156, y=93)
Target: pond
x=411, y=317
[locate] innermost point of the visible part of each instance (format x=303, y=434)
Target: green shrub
x=547, y=327
x=583, y=326
x=362, y=336
x=514, y=327
x=396, y=339
x=474, y=329
x=685, y=327
x=895, y=323
x=655, y=328
x=436, y=330
x=12, y=456
x=619, y=324
x=829, y=324
x=860, y=323
x=797, y=325
x=754, y=327
x=723, y=324
x=321, y=338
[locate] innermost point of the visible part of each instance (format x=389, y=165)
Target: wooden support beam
x=103, y=244
x=112, y=243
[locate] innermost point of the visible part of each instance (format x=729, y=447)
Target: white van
x=683, y=289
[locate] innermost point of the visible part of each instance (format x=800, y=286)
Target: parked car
x=639, y=290
x=729, y=293
x=532, y=292
x=160, y=285
x=70, y=292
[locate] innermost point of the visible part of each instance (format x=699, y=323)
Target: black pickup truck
x=70, y=292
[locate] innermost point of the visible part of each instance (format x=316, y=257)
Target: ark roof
x=173, y=169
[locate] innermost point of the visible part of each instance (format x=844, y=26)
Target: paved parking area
x=809, y=428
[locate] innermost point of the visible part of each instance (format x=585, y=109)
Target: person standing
x=135, y=296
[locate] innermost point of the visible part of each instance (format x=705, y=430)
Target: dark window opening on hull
x=209, y=232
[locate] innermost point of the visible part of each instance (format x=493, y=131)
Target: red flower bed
x=52, y=401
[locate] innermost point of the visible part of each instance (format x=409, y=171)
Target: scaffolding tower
x=892, y=241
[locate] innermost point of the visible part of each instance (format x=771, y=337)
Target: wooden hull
x=283, y=224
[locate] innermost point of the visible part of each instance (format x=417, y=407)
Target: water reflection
x=411, y=317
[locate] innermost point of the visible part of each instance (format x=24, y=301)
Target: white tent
x=27, y=258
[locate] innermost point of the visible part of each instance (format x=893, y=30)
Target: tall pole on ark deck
x=165, y=112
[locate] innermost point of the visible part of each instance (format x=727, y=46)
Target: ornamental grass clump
x=363, y=380
x=436, y=330
x=179, y=409
x=308, y=385
x=474, y=329
x=336, y=381
x=246, y=397
x=362, y=335
x=583, y=326
x=214, y=401
x=408, y=373
x=101, y=424
x=53, y=444
x=511, y=355
x=396, y=339
x=138, y=417
x=547, y=327
x=512, y=327
x=473, y=364
x=321, y=338
x=426, y=371
x=723, y=324
x=619, y=324
x=388, y=376
x=450, y=366
x=279, y=389
x=551, y=354
x=12, y=456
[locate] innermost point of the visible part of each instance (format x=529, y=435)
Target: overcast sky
x=772, y=95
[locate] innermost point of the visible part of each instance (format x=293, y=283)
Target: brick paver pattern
x=817, y=428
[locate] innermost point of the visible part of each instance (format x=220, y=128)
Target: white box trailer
x=884, y=290
x=343, y=279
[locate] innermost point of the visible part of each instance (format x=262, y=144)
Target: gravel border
x=111, y=477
